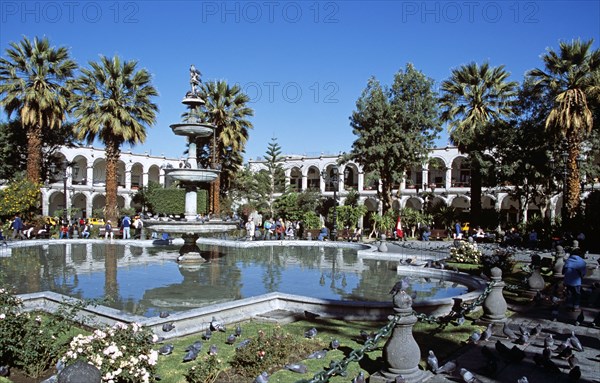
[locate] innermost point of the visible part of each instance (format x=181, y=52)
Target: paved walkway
x=470, y=356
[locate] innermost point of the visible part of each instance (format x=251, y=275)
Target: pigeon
x=163, y=314
x=4, y=370
x=537, y=330
x=207, y=334
x=549, y=341
x=575, y=343
x=548, y=364
x=213, y=350
x=401, y=285
x=365, y=336
x=524, y=331
x=243, y=343
x=238, y=330
x=296, y=367
x=167, y=349
x=432, y=361
x=318, y=354
x=158, y=339
x=522, y=379
x=447, y=368
x=573, y=361
x=460, y=320
x=522, y=339
x=561, y=347
x=567, y=352
x=575, y=373
x=335, y=344
x=580, y=318
x=262, y=378
x=360, y=378
x=230, y=339
x=399, y=379
x=475, y=336
x=168, y=327
x=510, y=334
x=197, y=345
x=487, y=333
x=215, y=325
x=311, y=333
x=192, y=354
x=310, y=316
x=468, y=376
x=596, y=322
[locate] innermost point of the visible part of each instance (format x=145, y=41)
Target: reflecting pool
x=147, y=280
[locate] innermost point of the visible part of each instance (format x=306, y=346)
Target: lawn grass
x=445, y=342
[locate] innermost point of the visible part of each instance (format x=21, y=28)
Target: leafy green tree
x=348, y=216
x=226, y=108
x=395, y=128
x=272, y=179
x=472, y=98
x=572, y=80
x=20, y=196
x=33, y=83
x=113, y=103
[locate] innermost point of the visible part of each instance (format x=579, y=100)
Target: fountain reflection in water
x=147, y=280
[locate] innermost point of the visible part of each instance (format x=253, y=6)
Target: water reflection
x=146, y=280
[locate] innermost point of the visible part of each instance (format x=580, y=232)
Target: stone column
x=401, y=352
x=494, y=306
x=191, y=202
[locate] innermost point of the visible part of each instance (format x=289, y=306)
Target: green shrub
x=206, y=370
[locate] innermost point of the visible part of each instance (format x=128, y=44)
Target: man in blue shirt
x=574, y=270
x=126, y=224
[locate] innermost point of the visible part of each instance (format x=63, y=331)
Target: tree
x=112, y=103
x=395, y=127
x=34, y=83
x=572, y=80
x=226, y=108
x=20, y=196
x=272, y=179
x=472, y=98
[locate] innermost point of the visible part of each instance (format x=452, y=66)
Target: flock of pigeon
x=523, y=336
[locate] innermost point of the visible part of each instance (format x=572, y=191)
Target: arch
x=153, y=174
x=313, y=178
x=461, y=172
x=56, y=203
x=121, y=174
x=461, y=203
x=415, y=203
x=79, y=201
x=99, y=172
x=98, y=204
x=351, y=176
x=79, y=170
x=436, y=172
x=509, y=207
x=296, y=178
x=137, y=173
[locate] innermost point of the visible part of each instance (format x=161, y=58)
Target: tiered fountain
x=190, y=177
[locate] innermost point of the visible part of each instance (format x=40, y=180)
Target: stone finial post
x=559, y=262
x=383, y=245
x=494, y=306
x=535, y=282
x=80, y=372
x=401, y=352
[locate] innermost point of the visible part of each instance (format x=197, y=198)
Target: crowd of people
x=19, y=229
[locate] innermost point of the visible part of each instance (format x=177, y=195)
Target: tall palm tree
x=472, y=98
x=112, y=103
x=572, y=81
x=33, y=83
x=226, y=108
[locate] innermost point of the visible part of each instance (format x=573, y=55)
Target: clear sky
x=303, y=63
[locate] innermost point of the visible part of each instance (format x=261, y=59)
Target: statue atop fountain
x=190, y=176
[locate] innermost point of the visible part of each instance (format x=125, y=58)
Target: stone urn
x=535, y=282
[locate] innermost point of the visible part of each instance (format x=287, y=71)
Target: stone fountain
x=190, y=176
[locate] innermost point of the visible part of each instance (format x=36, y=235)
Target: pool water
x=147, y=280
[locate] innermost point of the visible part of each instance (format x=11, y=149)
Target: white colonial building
x=445, y=175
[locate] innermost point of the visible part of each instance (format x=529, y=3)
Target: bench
x=438, y=234
x=117, y=232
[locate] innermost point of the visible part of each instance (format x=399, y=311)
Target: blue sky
x=303, y=63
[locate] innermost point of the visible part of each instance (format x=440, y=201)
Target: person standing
x=250, y=227
x=17, y=226
x=126, y=224
x=457, y=230
x=574, y=270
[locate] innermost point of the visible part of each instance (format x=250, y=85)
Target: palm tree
x=33, y=82
x=226, y=108
x=572, y=81
x=112, y=103
x=472, y=98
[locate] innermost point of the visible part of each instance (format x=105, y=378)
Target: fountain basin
x=192, y=129
x=193, y=175
x=192, y=227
